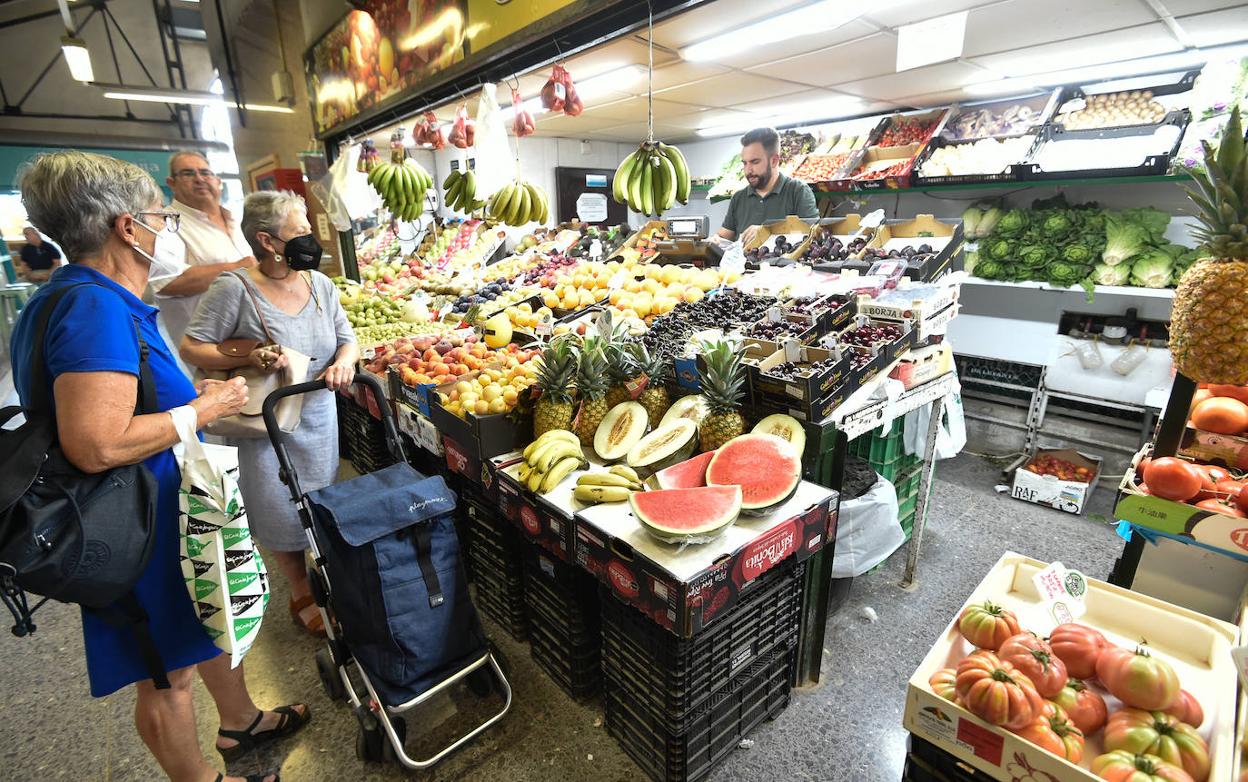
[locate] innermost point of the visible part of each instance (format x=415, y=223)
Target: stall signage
x=591, y=207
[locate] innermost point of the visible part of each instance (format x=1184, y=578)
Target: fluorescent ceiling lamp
x=182, y=97
x=832, y=109
x=612, y=81
x=77, y=58
x=532, y=105
x=931, y=41
x=811, y=19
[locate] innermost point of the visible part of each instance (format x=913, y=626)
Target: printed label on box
x=983, y=742
x=1063, y=592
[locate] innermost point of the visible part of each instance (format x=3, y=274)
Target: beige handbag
x=250, y=422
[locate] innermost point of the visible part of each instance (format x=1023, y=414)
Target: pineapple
x=654, y=398
x=554, y=407
x=721, y=385
x=591, y=387
x=1209, y=322
x=620, y=367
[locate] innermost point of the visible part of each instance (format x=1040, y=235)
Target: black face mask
x=303, y=253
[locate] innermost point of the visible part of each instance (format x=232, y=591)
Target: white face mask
x=169, y=254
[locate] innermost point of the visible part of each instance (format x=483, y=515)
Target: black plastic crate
x=675, y=676
x=496, y=568
x=926, y=762
x=563, y=614
x=714, y=731
x=503, y=602
x=576, y=669
x=567, y=594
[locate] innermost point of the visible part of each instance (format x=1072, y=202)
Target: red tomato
x=944, y=683
x=1137, y=678
x=1157, y=733
x=1078, y=646
x=1223, y=506
x=1173, y=479
x=1053, y=732
x=1187, y=709
x=1234, y=392
x=1120, y=766
x=1035, y=659
x=987, y=625
x=1228, y=487
x=995, y=692
x=1221, y=415
x=1241, y=498
x=1085, y=706
x=1201, y=395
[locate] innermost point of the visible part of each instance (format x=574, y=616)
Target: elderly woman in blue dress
x=284, y=298
x=109, y=218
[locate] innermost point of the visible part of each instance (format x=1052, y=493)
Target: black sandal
x=291, y=721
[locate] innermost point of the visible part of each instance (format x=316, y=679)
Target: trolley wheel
x=370, y=739
x=330, y=679
x=387, y=747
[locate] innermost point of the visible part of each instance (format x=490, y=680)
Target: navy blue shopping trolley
x=387, y=576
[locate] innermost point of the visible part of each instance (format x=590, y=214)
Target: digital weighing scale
x=687, y=242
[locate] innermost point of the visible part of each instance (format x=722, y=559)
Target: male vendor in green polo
x=770, y=195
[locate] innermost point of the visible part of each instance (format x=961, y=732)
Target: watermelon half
x=687, y=515
x=689, y=474
x=766, y=467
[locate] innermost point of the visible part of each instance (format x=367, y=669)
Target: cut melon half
x=620, y=430
x=687, y=515
x=669, y=444
x=689, y=474
x=784, y=426
x=766, y=467
x=692, y=407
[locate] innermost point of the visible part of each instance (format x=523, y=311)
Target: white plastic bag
x=867, y=531
x=496, y=165
x=345, y=192
x=950, y=436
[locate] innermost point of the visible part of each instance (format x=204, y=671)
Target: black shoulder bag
x=68, y=535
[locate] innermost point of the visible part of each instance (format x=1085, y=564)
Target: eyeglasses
x=173, y=220
x=191, y=173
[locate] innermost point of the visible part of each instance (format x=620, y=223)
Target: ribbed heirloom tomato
x=1079, y=647
x=995, y=692
x=987, y=625
x=1122, y=766
x=1053, y=732
x=1157, y=733
x=1187, y=709
x=944, y=683
x=1085, y=706
x=1137, y=678
x=1035, y=659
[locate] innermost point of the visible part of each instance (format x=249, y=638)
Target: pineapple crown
x=652, y=364
x=722, y=377
x=1221, y=194
x=559, y=364
x=591, y=372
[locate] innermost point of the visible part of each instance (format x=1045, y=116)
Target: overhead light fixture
x=931, y=41
x=77, y=58
x=181, y=97
x=811, y=111
x=811, y=19
x=611, y=81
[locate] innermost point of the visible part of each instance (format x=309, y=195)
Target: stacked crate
x=494, y=562
x=886, y=453
x=928, y=763
x=679, y=706
x=563, y=610
x=363, y=436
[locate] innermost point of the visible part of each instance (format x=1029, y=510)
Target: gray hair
x=74, y=197
x=267, y=210
x=185, y=153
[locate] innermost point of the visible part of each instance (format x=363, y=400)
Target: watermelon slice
x=687, y=515
x=689, y=474
x=766, y=467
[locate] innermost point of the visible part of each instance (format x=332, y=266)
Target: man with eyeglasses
x=214, y=243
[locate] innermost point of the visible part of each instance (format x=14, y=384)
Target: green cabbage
x=989, y=222
x=1056, y=226
x=1078, y=254
x=1064, y=275
x=990, y=269
x=1153, y=269
x=1012, y=223
x=1123, y=239
x=1000, y=250
x=1104, y=274
x=1035, y=256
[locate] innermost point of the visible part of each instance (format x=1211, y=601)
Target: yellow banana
x=547, y=436
x=562, y=469
x=595, y=494
x=624, y=471
x=556, y=451
x=603, y=479
x=534, y=482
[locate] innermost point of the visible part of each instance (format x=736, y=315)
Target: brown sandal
x=316, y=624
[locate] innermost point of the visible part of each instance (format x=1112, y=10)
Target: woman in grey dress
x=301, y=311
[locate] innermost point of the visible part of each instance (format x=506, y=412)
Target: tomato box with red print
x=1060, y=478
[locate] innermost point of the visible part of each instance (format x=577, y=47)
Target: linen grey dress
x=225, y=312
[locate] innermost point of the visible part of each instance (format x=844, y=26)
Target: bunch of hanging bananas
x=519, y=203
x=461, y=191
x=402, y=187
x=652, y=179
x=549, y=459
x=614, y=485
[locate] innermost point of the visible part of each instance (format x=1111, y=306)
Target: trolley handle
x=276, y=435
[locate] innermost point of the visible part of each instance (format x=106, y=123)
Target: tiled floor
x=848, y=728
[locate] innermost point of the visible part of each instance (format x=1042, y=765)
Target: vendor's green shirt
x=789, y=197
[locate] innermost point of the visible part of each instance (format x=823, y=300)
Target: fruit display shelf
x=1196, y=647
x=1014, y=185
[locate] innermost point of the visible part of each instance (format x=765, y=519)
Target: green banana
x=665, y=190
x=524, y=204
x=619, y=183
x=677, y=159
x=647, y=187
x=562, y=469
x=595, y=494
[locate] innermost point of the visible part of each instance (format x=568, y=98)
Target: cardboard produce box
x=923, y=365
x=944, y=237
x=1178, y=519
x=788, y=226
x=882, y=158
x=544, y=518
x=683, y=588
x=1225, y=449
x=1069, y=496
x=1196, y=646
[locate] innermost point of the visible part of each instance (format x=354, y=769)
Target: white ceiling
x=854, y=66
